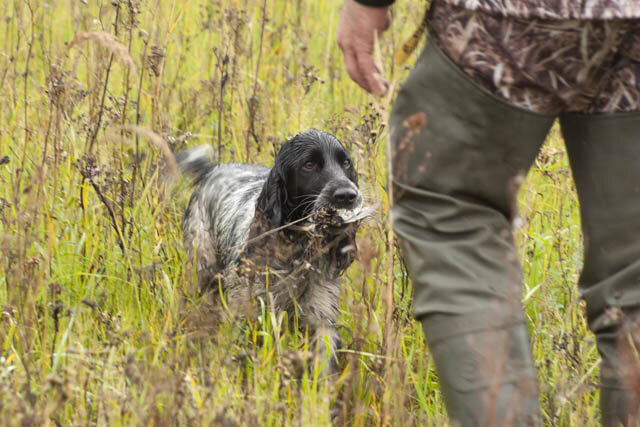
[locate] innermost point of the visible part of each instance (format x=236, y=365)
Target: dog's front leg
x=326, y=341
x=319, y=312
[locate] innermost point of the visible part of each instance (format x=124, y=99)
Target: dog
x=284, y=234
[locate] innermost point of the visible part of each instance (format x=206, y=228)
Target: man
x=465, y=128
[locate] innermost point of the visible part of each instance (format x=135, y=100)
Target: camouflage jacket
x=544, y=9
x=547, y=66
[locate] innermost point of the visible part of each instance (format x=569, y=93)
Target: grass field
x=99, y=320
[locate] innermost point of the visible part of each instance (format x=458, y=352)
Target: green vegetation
x=99, y=322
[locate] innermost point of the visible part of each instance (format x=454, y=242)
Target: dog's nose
x=344, y=196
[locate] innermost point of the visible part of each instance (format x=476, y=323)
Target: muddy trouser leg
x=455, y=183
x=604, y=152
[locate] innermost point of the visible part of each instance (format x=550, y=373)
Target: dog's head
x=312, y=172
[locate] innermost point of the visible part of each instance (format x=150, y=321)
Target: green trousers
x=459, y=155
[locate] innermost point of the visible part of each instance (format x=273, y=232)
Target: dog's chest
x=292, y=265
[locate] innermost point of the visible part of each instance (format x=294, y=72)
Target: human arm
x=359, y=22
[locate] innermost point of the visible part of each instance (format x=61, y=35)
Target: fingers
x=363, y=70
x=371, y=74
x=353, y=69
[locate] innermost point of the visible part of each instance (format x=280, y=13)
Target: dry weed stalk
x=160, y=143
x=109, y=42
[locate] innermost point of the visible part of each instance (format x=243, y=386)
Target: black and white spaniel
x=283, y=234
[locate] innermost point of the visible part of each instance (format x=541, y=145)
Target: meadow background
x=99, y=321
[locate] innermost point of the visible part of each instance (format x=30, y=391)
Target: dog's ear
x=272, y=200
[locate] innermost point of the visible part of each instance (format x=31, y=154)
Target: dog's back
x=217, y=219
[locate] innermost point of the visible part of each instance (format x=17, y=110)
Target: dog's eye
x=309, y=165
x=346, y=164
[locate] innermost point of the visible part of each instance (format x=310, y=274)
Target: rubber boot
x=604, y=152
x=458, y=157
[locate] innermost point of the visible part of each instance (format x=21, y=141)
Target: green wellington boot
x=459, y=155
x=604, y=152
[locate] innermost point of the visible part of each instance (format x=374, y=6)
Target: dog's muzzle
x=345, y=198
x=339, y=194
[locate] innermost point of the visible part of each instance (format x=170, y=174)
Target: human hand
x=356, y=30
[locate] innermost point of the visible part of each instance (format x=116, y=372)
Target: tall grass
x=99, y=321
